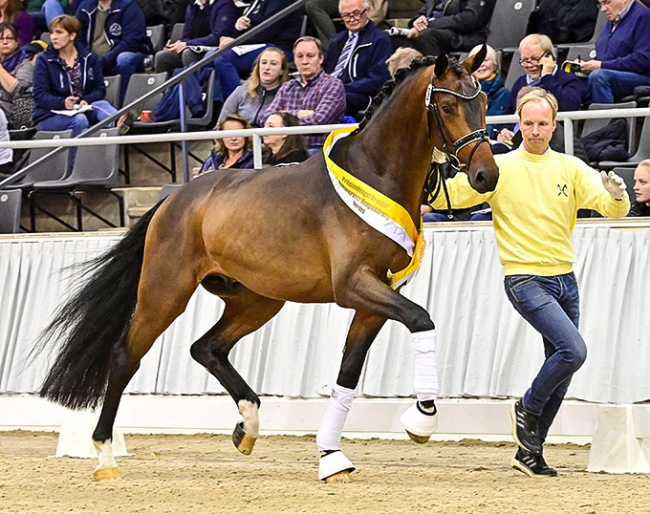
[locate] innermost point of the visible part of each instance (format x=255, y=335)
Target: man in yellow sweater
x=534, y=210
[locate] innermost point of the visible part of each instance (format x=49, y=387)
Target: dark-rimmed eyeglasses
x=354, y=15
x=533, y=61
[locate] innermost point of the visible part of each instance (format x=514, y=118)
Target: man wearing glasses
x=622, y=52
x=447, y=26
x=358, y=56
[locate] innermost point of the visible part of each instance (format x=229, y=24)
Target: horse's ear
x=473, y=62
x=441, y=65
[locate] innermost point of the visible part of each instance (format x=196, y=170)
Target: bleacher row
x=507, y=27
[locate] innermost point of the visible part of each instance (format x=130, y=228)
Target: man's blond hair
x=536, y=94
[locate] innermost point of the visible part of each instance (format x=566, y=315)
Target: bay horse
x=301, y=243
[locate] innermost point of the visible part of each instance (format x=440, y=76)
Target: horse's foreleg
x=334, y=466
x=244, y=313
x=158, y=305
x=370, y=294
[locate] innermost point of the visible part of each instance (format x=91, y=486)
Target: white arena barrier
x=75, y=436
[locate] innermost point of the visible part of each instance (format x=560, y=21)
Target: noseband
x=479, y=136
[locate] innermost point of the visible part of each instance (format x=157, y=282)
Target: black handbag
x=22, y=107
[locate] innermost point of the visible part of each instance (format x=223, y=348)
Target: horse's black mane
x=400, y=76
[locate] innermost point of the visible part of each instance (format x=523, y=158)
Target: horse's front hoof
x=418, y=425
x=106, y=474
x=342, y=477
x=335, y=468
x=242, y=441
x=420, y=439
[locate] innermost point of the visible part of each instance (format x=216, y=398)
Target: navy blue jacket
x=222, y=13
x=125, y=29
x=282, y=33
x=566, y=87
x=52, y=83
x=366, y=71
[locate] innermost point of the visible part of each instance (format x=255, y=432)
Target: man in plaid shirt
x=315, y=97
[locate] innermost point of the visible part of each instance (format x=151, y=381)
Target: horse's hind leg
x=334, y=466
x=245, y=312
x=159, y=303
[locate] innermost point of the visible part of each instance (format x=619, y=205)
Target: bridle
x=435, y=181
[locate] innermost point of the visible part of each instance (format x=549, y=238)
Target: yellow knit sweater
x=534, y=208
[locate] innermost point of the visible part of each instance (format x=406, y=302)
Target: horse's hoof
x=418, y=426
x=242, y=441
x=342, y=477
x=334, y=467
x=106, y=474
x=418, y=438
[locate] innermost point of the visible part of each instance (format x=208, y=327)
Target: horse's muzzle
x=485, y=180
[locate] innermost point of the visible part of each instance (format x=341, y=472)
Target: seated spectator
x=252, y=99
x=16, y=69
x=232, y=65
x=641, y=203
x=358, y=56
x=401, y=58
x=538, y=60
x=67, y=78
x=442, y=26
x=116, y=32
x=6, y=154
x=492, y=85
x=283, y=148
x=231, y=152
x=11, y=11
x=320, y=14
x=622, y=52
x=564, y=21
x=205, y=22
x=315, y=97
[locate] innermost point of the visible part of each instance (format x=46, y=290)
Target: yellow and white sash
x=377, y=210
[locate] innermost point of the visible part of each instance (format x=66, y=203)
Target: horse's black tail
x=94, y=320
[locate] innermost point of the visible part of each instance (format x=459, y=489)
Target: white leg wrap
x=331, y=428
x=426, y=367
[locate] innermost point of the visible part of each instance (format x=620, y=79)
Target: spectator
x=401, y=58
x=641, y=206
x=538, y=60
x=315, y=97
x=492, y=85
x=233, y=151
x=448, y=26
x=358, y=56
x=622, y=52
x=205, y=22
x=233, y=64
x=6, y=154
x=54, y=8
x=67, y=78
x=564, y=21
x=252, y=99
x=16, y=68
x=282, y=148
x=321, y=12
x=116, y=32
x=11, y=11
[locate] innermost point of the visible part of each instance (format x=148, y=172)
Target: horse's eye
x=447, y=109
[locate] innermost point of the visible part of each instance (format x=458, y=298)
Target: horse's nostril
x=480, y=178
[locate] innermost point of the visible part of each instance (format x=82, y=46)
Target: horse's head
x=457, y=105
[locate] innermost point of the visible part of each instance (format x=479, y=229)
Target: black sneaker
x=525, y=428
x=532, y=464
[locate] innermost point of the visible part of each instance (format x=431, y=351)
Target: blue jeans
x=609, y=86
x=126, y=65
x=552, y=306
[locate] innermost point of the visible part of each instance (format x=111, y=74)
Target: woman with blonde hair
x=641, y=190
x=492, y=85
x=401, y=58
x=11, y=11
x=251, y=99
x=233, y=151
